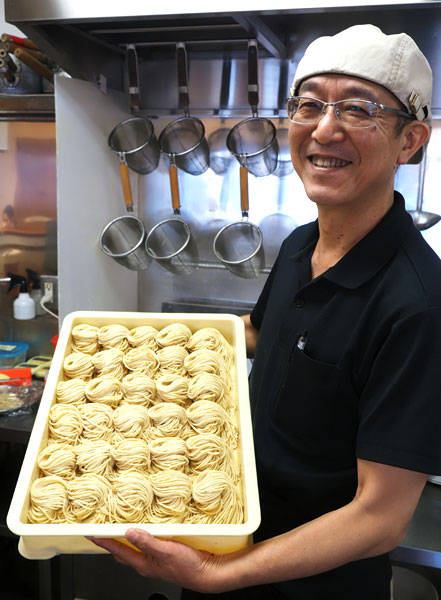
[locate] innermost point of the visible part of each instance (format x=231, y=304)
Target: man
x=346, y=337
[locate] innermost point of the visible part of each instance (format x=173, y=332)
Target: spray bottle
x=35, y=293
x=23, y=307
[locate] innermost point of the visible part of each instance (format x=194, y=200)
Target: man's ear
x=415, y=135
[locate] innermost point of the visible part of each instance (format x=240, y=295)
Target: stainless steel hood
x=89, y=40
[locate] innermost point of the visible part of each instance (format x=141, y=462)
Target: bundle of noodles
x=78, y=365
x=208, y=386
x=109, y=362
x=205, y=451
x=168, y=453
x=172, y=388
x=211, y=339
x=171, y=360
x=131, y=453
x=105, y=390
x=48, y=497
x=217, y=497
x=85, y=338
x=132, y=497
x=71, y=391
x=167, y=419
x=130, y=421
x=204, y=416
x=65, y=423
x=144, y=335
x=172, y=493
x=97, y=421
x=89, y=499
x=175, y=334
x=209, y=451
x=57, y=459
x=138, y=389
x=141, y=360
x=113, y=336
x=93, y=456
x=206, y=361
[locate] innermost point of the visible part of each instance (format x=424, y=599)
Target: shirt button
x=300, y=303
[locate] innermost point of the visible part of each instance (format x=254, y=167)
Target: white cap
x=392, y=61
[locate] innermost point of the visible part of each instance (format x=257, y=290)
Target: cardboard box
x=42, y=541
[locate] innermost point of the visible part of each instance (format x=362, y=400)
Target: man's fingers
x=146, y=542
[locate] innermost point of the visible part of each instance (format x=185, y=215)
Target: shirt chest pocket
x=314, y=411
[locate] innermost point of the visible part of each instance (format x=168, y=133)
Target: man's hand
x=166, y=560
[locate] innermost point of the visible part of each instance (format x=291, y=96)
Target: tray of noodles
x=144, y=421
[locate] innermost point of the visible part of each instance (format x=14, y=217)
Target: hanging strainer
x=137, y=147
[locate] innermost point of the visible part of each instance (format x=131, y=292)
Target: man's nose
x=328, y=127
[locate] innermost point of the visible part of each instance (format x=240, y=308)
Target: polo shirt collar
x=373, y=251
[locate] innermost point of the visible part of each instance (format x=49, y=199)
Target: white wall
x=6, y=27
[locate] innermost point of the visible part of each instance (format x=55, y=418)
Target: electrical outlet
x=49, y=291
x=49, y=287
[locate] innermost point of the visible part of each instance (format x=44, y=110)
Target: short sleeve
x=400, y=407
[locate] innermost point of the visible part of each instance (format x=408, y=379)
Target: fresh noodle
x=85, y=338
x=71, y=391
x=78, y=366
x=132, y=497
x=109, y=362
x=65, y=423
x=105, y=390
x=175, y=334
x=172, y=388
x=138, y=389
x=143, y=335
x=48, y=499
x=97, y=421
x=113, y=336
x=130, y=420
x=57, y=459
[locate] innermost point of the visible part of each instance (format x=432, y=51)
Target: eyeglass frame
x=336, y=114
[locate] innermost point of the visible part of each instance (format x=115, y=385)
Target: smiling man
x=346, y=342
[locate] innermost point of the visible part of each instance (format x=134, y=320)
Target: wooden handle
x=244, y=203
x=174, y=188
x=124, y=170
x=11, y=47
x=34, y=64
x=5, y=37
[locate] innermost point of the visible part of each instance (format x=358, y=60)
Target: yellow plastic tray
x=42, y=541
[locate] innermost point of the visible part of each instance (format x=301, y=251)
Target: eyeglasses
x=351, y=113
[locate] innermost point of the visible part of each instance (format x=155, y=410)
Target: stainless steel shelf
x=27, y=107
x=422, y=543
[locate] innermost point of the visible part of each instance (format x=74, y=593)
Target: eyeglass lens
x=351, y=113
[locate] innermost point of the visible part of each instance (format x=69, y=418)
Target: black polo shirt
x=346, y=366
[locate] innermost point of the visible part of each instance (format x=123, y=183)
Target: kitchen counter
x=421, y=545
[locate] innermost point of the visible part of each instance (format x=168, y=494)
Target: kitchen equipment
x=183, y=140
x=253, y=141
x=12, y=353
x=423, y=219
x=45, y=540
x=220, y=156
x=239, y=245
x=284, y=162
x=123, y=240
x=137, y=147
x=15, y=400
x=170, y=242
